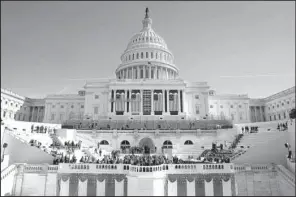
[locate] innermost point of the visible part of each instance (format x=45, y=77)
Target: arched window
x=156, y=56
x=142, y=55
x=147, y=54
x=188, y=142
x=125, y=144
x=129, y=57
x=104, y=142
x=133, y=56
x=151, y=55
x=168, y=144
x=137, y=55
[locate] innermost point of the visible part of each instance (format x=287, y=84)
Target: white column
x=109, y=101
x=255, y=114
x=191, y=188
x=64, y=187
x=172, y=188
x=125, y=102
x=119, y=188
x=144, y=72
x=152, y=102
x=179, y=102
x=168, y=103
x=82, y=188
x=141, y=105
x=100, y=188
x=183, y=100
x=226, y=187
x=209, y=188
x=163, y=101
x=167, y=73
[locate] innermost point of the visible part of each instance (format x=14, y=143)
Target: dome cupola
x=147, y=56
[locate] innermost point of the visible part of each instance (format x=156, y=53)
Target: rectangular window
x=96, y=110
x=196, y=96
x=82, y=106
x=52, y=116
x=96, y=96
x=62, y=106
x=61, y=117
x=197, y=109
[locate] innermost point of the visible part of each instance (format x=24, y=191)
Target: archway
x=147, y=144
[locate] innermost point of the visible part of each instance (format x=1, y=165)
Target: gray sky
x=237, y=47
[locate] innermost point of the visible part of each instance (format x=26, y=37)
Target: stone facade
x=147, y=85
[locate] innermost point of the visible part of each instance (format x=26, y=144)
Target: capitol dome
x=147, y=56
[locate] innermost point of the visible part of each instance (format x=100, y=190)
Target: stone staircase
x=265, y=147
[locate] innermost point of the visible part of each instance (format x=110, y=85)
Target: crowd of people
x=236, y=140
x=41, y=129
x=282, y=126
x=251, y=129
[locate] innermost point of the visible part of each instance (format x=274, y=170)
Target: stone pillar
x=144, y=72
x=255, y=114
x=163, y=101
x=125, y=102
x=167, y=73
x=262, y=113
x=141, y=105
x=109, y=101
x=209, y=188
x=32, y=118
x=183, y=100
x=179, y=102
x=64, y=187
x=168, y=105
x=152, y=102
x=226, y=187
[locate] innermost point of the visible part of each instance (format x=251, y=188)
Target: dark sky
x=237, y=47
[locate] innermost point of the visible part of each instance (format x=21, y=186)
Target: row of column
x=37, y=113
x=202, y=188
x=99, y=189
x=257, y=114
x=146, y=72
x=193, y=188
x=165, y=101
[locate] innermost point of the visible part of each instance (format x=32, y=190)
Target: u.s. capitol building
x=147, y=86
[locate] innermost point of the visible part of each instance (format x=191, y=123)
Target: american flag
x=120, y=101
x=173, y=101
x=157, y=101
x=135, y=102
